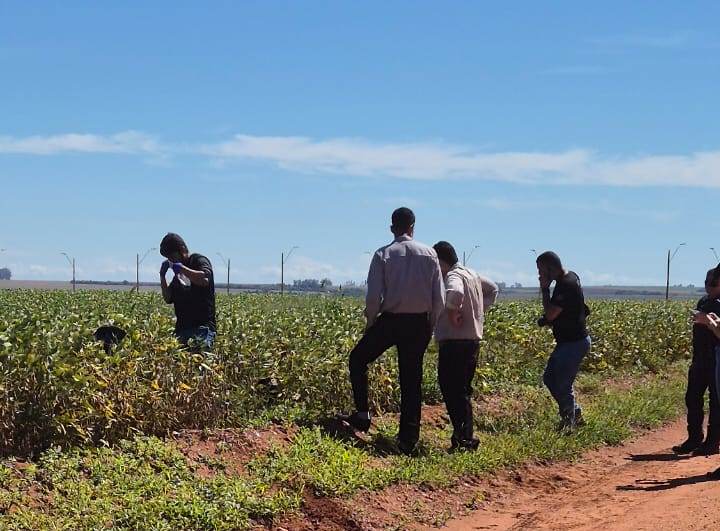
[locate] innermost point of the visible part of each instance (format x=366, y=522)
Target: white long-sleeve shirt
x=470, y=293
x=405, y=277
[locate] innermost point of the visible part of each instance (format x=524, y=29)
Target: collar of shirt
x=403, y=238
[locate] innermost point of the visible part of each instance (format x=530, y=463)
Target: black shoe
x=707, y=448
x=464, y=445
x=359, y=424
x=688, y=446
x=407, y=448
x=579, y=420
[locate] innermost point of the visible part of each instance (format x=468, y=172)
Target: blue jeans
x=560, y=373
x=201, y=337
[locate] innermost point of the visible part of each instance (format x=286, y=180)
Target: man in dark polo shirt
x=191, y=291
x=701, y=378
x=566, y=312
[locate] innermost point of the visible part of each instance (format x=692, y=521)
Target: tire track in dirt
x=640, y=485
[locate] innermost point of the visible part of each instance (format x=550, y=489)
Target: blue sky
x=252, y=127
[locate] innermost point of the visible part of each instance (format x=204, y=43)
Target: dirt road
x=638, y=486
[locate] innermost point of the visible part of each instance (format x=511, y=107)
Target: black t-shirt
x=194, y=305
x=704, y=341
x=568, y=295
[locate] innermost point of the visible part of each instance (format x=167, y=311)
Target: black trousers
x=410, y=333
x=701, y=378
x=456, y=368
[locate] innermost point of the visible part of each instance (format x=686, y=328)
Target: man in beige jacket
x=459, y=330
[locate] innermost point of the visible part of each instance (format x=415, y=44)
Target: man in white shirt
x=404, y=300
x=458, y=332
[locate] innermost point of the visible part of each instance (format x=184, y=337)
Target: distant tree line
x=5, y=274
x=312, y=284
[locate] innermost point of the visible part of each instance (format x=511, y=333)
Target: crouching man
x=191, y=291
x=459, y=330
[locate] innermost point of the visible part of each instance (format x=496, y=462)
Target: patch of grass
x=337, y=468
x=147, y=483
x=143, y=484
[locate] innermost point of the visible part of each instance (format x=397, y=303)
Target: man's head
x=550, y=265
x=712, y=282
x=173, y=248
x=446, y=255
x=403, y=222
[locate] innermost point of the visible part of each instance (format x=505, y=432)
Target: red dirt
x=637, y=486
x=229, y=450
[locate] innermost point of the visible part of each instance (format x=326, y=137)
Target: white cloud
x=418, y=161
x=128, y=142
x=440, y=162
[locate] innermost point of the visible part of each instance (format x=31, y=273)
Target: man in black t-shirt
x=701, y=378
x=566, y=312
x=191, y=291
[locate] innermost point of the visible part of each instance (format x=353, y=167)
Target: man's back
x=404, y=277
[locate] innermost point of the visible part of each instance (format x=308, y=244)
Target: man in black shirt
x=191, y=291
x=566, y=313
x=701, y=378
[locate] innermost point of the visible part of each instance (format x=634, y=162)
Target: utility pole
x=717, y=258
x=667, y=278
x=71, y=261
x=227, y=264
x=465, y=260
x=139, y=261
x=283, y=260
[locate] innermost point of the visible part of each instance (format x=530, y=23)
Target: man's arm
x=709, y=320
x=490, y=292
x=438, y=294
x=454, y=298
x=375, y=289
x=552, y=311
x=199, y=277
x=166, y=293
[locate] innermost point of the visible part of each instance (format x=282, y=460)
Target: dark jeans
x=410, y=333
x=560, y=373
x=456, y=368
x=198, y=338
x=701, y=378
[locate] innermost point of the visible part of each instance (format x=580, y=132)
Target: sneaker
x=407, y=448
x=707, y=448
x=579, y=420
x=688, y=446
x=356, y=422
x=464, y=445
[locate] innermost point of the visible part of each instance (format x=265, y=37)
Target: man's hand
x=164, y=268
x=545, y=280
x=177, y=268
x=456, y=318
x=710, y=320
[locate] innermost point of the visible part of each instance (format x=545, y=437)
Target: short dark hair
x=172, y=243
x=403, y=219
x=714, y=275
x=446, y=252
x=551, y=259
